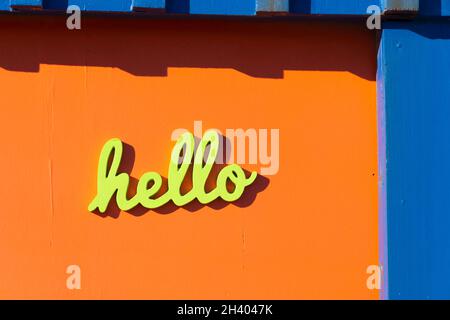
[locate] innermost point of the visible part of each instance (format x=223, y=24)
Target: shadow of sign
x=260, y=48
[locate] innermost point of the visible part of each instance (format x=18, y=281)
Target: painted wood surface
x=272, y=6
x=26, y=3
x=144, y=5
x=221, y=7
x=237, y=7
x=400, y=5
x=309, y=231
x=413, y=134
x=416, y=80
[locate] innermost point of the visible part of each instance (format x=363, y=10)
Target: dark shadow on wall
x=55, y=4
x=148, y=47
x=430, y=29
x=178, y=6
x=431, y=7
x=300, y=6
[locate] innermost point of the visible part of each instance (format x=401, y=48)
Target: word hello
x=184, y=153
x=245, y=147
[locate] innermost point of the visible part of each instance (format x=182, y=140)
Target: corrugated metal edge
x=401, y=7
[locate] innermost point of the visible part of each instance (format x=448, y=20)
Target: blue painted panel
x=416, y=68
x=4, y=5
x=149, y=4
x=332, y=6
x=26, y=3
x=228, y=7
x=102, y=5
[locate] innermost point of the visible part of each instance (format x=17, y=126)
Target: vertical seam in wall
x=382, y=168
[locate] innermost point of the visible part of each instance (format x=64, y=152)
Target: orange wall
x=310, y=234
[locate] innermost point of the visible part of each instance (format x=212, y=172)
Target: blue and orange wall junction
x=363, y=177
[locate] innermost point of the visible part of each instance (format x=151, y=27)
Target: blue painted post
x=415, y=77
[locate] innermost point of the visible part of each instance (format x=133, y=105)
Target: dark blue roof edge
x=236, y=7
x=221, y=7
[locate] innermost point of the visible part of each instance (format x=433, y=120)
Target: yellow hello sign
x=110, y=181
